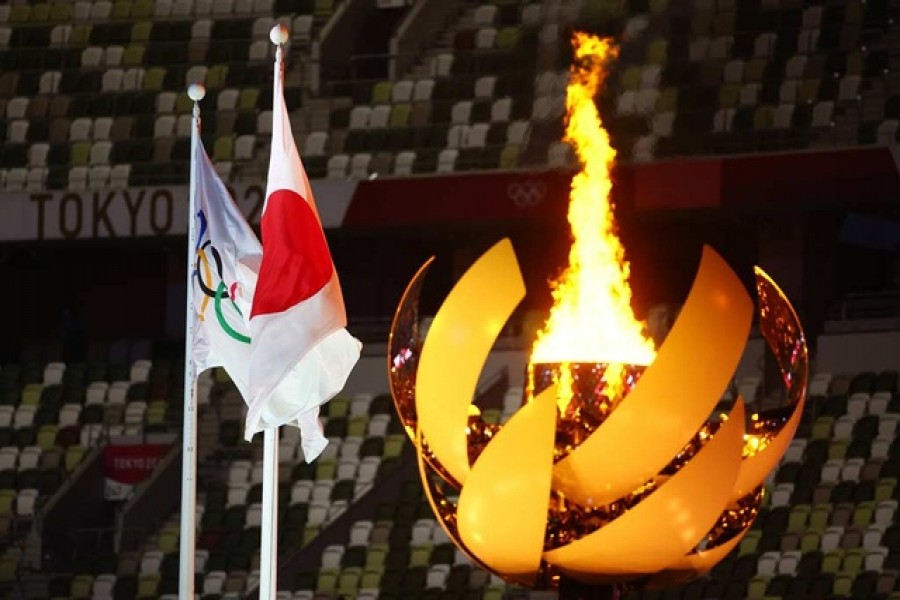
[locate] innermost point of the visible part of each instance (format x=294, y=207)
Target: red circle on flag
x=296, y=262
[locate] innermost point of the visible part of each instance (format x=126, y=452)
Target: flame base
x=587, y=394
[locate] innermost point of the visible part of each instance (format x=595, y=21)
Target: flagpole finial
x=196, y=92
x=279, y=35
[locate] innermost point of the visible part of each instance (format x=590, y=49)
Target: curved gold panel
x=502, y=509
x=667, y=524
x=696, y=563
x=784, y=334
x=443, y=507
x=456, y=348
x=672, y=399
x=403, y=351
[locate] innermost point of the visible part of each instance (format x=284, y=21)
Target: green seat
x=121, y=10
x=420, y=555
x=376, y=557
x=348, y=582
x=381, y=92
x=393, y=445
x=183, y=104
x=31, y=394
x=750, y=542
x=508, y=38
x=338, y=406
x=140, y=32
x=863, y=513
x=133, y=56
x=509, y=156
x=837, y=449
x=400, y=115
x=153, y=79
x=843, y=585
x=884, y=490
x=7, y=497
x=248, y=98
x=327, y=580
x=657, y=51
x=46, y=436
x=215, y=77
x=818, y=518
x=371, y=579
x=156, y=412
x=810, y=541
x=168, y=540
x=74, y=456
x=729, y=95
x=831, y=562
x=325, y=468
x=81, y=586
x=821, y=428
x=323, y=8
x=19, y=13
x=81, y=153
x=630, y=79
x=142, y=9
x=357, y=425
x=148, y=583
x=756, y=589
x=223, y=148
x=9, y=566
x=310, y=531
x=61, y=12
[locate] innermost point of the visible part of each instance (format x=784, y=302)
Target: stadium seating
x=104, y=100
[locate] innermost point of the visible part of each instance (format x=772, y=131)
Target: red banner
x=127, y=465
x=805, y=178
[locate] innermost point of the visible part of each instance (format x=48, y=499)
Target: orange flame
x=591, y=319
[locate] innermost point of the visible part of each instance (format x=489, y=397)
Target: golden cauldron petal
x=502, y=510
x=457, y=346
x=669, y=523
x=699, y=355
x=783, y=333
x=404, y=347
x=696, y=563
x=442, y=506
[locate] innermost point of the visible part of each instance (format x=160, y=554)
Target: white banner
x=138, y=212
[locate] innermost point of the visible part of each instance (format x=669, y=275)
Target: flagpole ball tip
x=196, y=92
x=279, y=35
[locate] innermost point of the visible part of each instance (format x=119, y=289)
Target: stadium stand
x=102, y=101
x=91, y=98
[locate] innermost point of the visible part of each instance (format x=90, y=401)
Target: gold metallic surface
x=784, y=335
x=669, y=522
x=501, y=518
x=700, y=354
x=404, y=347
x=678, y=519
x=459, y=340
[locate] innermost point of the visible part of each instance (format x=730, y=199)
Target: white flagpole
x=196, y=92
x=268, y=545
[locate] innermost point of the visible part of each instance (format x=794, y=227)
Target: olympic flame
x=591, y=320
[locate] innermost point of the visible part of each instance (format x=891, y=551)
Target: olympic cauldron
x=650, y=491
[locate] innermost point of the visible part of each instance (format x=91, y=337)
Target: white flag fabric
x=297, y=322
x=227, y=261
